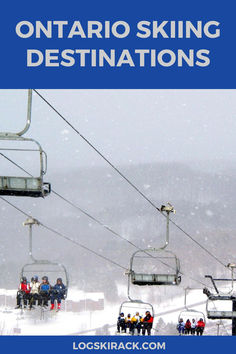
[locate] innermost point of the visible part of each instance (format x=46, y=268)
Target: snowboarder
x=58, y=293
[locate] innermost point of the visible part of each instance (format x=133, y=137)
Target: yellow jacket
x=136, y=319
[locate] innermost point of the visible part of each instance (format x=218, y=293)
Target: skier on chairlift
x=193, y=327
x=200, y=327
x=136, y=322
x=58, y=293
x=23, y=293
x=187, y=327
x=128, y=323
x=181, y=327
x=121, y=323
x=147, y=323
x=44, y=291
x=34, y=291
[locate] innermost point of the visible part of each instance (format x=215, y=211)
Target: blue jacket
x=59, y=288
x=44, y=287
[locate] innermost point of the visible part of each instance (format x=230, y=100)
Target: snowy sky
x=128, y=126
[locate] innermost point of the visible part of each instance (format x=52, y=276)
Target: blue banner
x=75, y=44
x=90, y=344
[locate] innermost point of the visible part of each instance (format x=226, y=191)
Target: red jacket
x=188, y=324
x=25, y=287
x=201, y=324
x=148, y=319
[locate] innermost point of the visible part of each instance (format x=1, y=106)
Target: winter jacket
x=148, y=319
x=180, y=325
x=201, y=324
x=136, y=319
x=25, y=287
x=44, y=287
x=120, y=320
x=34, y=286
x=188, y=324
x=59, y=288
x=127, y=319
x=193, y=325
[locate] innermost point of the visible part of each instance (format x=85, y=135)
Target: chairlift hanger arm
x=28, y=119
x=167, y=209
x=213, y=282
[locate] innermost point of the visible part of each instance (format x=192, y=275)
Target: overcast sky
x=128, y=126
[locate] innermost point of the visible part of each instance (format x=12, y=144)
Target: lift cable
x=83, y=211
x=65, y=237
x=96, y=220
x=79, y=244
x=75, y=206
x=127, y=180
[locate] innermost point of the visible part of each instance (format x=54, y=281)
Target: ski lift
x=43, y=267
x=189, y=312
x=156, y=255
x=29, y=186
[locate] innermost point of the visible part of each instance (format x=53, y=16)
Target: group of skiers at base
x=191, y=328
x=30, y=292
x=135, y=323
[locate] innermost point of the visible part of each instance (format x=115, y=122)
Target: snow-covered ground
x=44, y=322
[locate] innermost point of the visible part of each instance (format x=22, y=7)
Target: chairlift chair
x=155, y=278
x=215, y=314
x=189, y=312
x=29, y=186
x=219, y=298
x=157, y=255
x=41, y=268
x=44, y=267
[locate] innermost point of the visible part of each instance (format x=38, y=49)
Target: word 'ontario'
x=118, y=29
